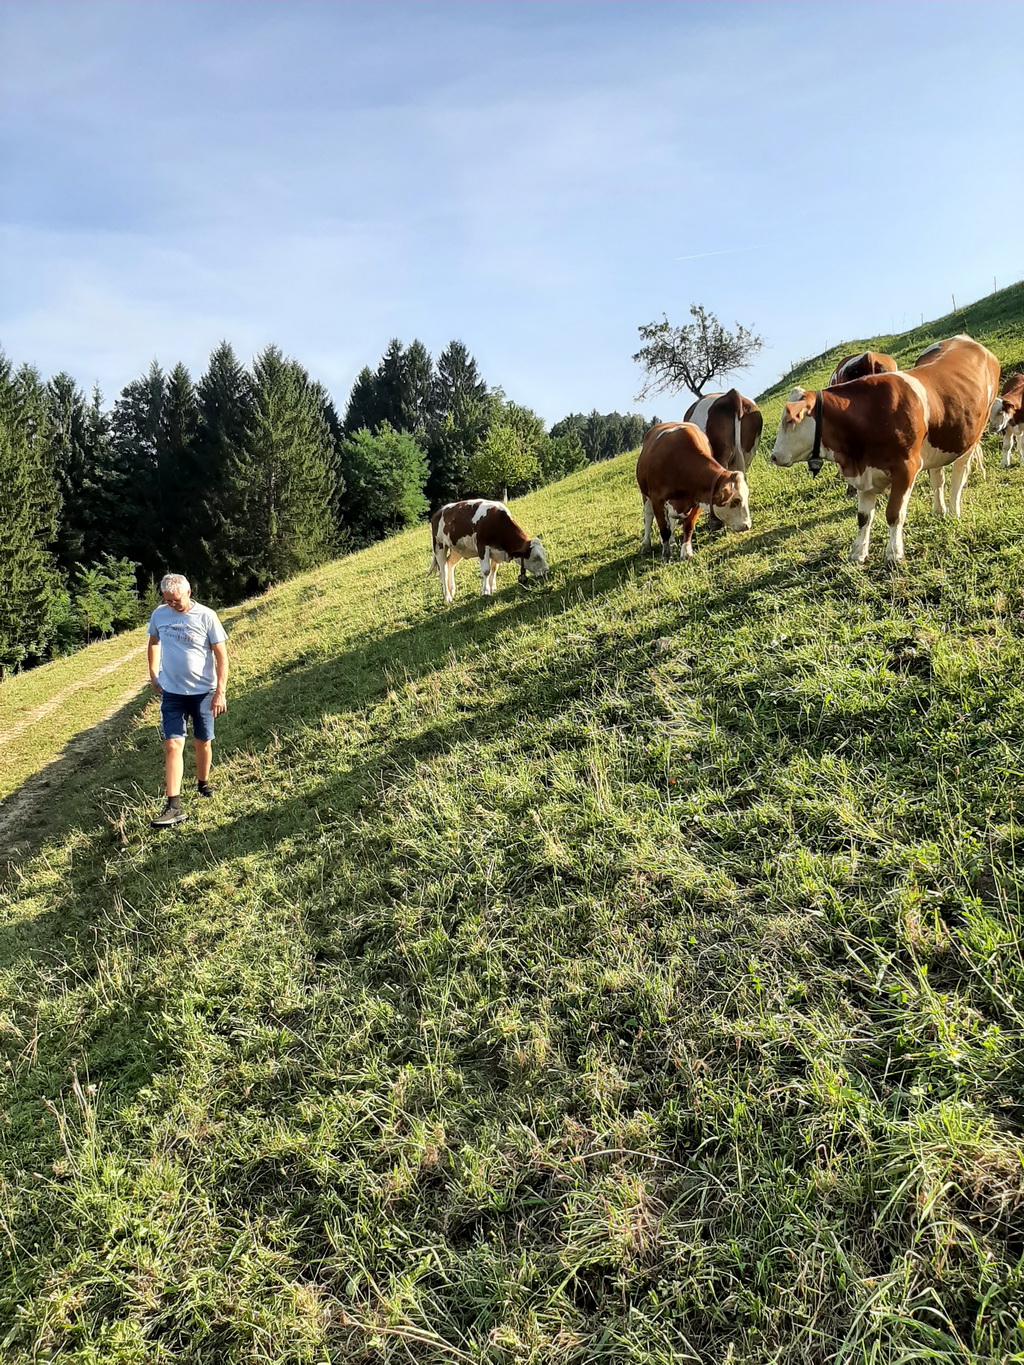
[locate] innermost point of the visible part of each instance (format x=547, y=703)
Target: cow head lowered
x=1002, y=412
x=534, y=562
x=795, y=439
x=730, y=501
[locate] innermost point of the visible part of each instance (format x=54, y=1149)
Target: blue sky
x=534, y=178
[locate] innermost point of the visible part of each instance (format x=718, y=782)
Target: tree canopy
x=690, y=357
x=243, y=477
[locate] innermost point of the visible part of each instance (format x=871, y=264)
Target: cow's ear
x=724, y=490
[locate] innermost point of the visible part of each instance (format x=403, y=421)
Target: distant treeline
x=243, y=478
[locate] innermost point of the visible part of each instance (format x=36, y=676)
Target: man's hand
x=219, y=704
x=155, y=687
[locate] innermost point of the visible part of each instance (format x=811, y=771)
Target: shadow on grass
x=310, y=687
x=102, y=796
x=23, y=817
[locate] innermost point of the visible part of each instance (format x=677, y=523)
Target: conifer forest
x=243, y=477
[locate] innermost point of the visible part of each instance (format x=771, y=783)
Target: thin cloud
x=729, y=251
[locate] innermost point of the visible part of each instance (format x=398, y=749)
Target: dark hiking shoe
x=170, y=815
x=204, y=789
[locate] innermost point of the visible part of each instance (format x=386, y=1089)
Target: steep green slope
x=997, y=321
x=625, y=970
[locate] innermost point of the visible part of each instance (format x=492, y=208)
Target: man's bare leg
x=204, y=758
x=174, y=763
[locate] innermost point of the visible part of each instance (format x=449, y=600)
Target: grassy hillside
x=996, y=320
x=628, y=970
x=41, y=711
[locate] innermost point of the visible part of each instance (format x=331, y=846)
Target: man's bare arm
x=153, y=658
x=220, y=659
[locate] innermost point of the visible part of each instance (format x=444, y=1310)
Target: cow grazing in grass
x=1007, y=417
x=678, y=475
x=478, y=529
x=1013, y=435
x=884, y=429
x=732, y=425
x=860, y=366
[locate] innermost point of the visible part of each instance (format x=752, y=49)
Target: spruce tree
x=362, y=410
x=29, y=582
x=179, y=482
x=224, y=414
x=400, y=392
x=393, y=389
x=329, y=412
x=460, y=415
x=72, y=459
x=131, y=494
x=281, y=486
x=417, y=390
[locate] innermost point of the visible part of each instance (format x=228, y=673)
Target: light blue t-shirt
x=187, y=665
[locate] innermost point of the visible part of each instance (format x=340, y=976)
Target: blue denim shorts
x=175, y=710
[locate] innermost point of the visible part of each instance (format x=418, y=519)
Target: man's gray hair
x=174, y=580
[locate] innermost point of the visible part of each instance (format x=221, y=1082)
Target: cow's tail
x=738, y=437
x=432, y=567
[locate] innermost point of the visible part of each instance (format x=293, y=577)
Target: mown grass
x=627, y=970
x=43, y=709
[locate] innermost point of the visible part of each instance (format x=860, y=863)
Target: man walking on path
x=188, y=669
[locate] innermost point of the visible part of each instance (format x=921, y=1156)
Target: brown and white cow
x=884, y=429
x=859, y=366
x=678, y=475
x=479, y=529
x=1013, y=435
x=732, y=425
x=1007, y=417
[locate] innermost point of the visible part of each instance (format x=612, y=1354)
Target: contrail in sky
x=730, y=251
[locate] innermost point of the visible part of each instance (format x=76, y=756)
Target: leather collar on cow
x=815, y=463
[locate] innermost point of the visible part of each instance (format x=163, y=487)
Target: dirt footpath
x=20, y=812
x=48, y=707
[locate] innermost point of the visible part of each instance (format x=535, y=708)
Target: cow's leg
x=938, y=478
x=958, y=478
x=665, y=531
x=1008, y=449
x=645, y=544
x=486, y=582
x=896, y=511
x=689, y=522
x=447, y=567
x=492, y=578
x=865, y=515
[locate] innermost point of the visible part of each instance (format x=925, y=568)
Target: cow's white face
x=998, y=416
x=735, y=513
x=795, y=439
x=535, y=562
